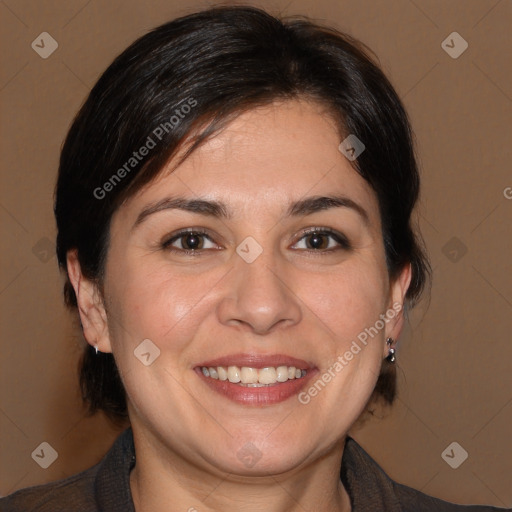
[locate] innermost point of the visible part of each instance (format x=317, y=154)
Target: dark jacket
x=106, y=487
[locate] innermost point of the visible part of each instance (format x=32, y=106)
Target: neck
x=162, y=478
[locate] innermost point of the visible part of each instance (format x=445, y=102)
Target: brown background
x=455, y=358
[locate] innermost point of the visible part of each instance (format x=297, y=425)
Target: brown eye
x=317, y=241
x=188, y=242
x=325, y=240
x=192, y=241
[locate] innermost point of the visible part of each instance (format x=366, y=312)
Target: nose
x=259, y=295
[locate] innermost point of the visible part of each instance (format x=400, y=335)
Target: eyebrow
x=218, y=209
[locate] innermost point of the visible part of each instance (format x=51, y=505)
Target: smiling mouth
x=254, y=377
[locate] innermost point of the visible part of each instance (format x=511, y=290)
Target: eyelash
x=343, y=242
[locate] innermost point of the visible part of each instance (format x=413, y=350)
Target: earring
x=96, y=348
x=391, y=353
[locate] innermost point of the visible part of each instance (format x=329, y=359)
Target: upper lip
x=257, y=361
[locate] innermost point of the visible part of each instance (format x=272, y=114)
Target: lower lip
x=265, y=395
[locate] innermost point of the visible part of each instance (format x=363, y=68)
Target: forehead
x=265, y=159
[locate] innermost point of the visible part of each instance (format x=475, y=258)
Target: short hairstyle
x=185, y=80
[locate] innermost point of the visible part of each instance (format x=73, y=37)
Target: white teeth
x=267, y=376
x=248, y=375
x=282, y=373
x=254, y=377
x=233, y=374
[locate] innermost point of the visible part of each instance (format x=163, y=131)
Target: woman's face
x=257, y=292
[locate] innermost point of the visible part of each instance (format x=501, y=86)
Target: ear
x=90, y=305
x=398, y=289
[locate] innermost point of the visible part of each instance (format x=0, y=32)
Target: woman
x=233, y=210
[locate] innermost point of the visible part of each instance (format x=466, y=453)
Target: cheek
x=347, y=301
x=159, y=304
x=348, y=305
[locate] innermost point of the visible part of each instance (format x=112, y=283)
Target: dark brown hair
x=184, y=81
